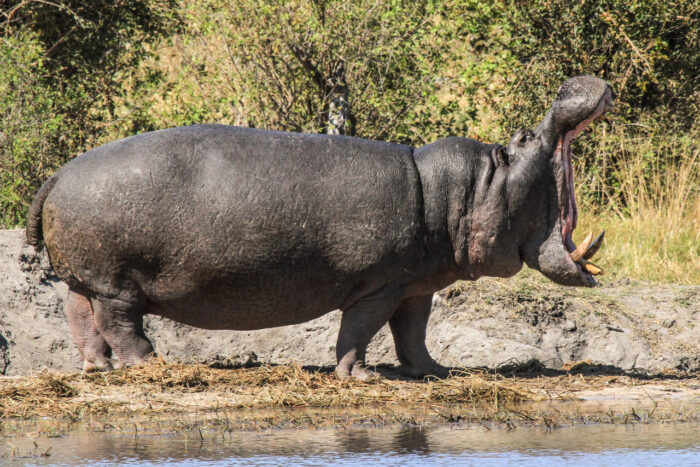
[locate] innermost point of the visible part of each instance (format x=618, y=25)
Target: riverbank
x=161, y=397
x=630, y=346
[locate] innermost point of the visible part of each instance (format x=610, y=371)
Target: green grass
x=649, y=206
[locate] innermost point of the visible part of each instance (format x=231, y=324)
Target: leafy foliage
x=61, y=66
x=648, y=50
x=75, y=74
x=271, y=64
x=31, y=124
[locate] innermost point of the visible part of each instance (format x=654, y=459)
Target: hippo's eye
x=525, y=137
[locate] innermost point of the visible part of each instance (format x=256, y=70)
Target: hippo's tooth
x=592, y=268
x=578, y=253
x=595, y=246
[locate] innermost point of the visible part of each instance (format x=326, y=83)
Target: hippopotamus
x=222, y=227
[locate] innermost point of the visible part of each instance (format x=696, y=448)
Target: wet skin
x=234, y=228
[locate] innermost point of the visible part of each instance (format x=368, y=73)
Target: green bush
x=31, y=130
x=76, y=74
x=271, y=64
x=62, y=66
x=649, y=51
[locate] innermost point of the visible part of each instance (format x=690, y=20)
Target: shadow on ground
x=529, y=369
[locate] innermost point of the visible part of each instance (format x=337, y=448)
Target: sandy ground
x=524, y=323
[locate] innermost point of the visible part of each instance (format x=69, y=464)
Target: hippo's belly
x=247, y=302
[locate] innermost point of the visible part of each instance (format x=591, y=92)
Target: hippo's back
x=241, y=219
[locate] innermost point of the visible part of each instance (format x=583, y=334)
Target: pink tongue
x=571, y=209
x=572, y=215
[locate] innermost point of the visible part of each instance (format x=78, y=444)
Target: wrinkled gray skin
x=234, y=228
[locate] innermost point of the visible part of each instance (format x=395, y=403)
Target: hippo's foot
x=408, y=325
x=104, y=365
x=432, y=370
x=358, y=370
x=357, y=327
x=97, y=355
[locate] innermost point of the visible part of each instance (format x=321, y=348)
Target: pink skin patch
x=567, y=199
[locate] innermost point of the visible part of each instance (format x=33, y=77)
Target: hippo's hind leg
x=408, y=325
x=120, y=322
x=93, y=349
x=358, y=325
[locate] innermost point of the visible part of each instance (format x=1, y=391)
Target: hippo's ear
x=499, y=156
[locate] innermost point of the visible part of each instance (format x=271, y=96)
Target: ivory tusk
x=581, y=249
x=595, y=246
x=592, y=268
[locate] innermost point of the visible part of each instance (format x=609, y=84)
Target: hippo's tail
x=35, y=234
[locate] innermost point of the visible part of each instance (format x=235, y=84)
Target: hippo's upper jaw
x=579, y=101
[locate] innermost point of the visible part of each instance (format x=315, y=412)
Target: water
x=639, y=445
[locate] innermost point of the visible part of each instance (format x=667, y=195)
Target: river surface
x=596, y=444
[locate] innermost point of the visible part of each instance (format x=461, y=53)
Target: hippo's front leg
x=359, y=324
x=408, y=325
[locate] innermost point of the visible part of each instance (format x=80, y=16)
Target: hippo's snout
x=580, y=101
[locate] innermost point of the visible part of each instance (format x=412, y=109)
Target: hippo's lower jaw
x=578, y=256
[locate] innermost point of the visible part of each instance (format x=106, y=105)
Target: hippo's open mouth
x=567, y=197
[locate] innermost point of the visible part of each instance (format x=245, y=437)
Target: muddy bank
x=527, y=322
x=162, y=395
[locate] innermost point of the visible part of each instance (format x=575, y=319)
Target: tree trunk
x=339, y=112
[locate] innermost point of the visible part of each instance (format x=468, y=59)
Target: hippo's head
x=541, y=182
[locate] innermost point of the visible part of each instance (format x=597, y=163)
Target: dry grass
x=652, y=216
x=174, y=397
x=159, y=388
